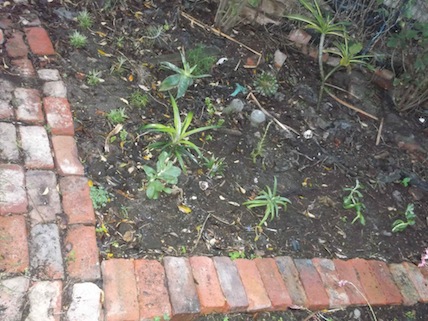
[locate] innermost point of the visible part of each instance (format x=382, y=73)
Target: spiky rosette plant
x=266, y=84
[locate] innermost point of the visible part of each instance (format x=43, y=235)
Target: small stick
x=341, y=89
x=344, y=103
x=379, y=132
x=284, y=127
x=200, y=233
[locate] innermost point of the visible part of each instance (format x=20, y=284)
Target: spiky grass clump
x=78, y=40
x=266, y=84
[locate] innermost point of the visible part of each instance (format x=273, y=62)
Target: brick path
x=48, y=251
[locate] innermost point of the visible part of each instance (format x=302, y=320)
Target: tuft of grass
x=84, y=19
x=117, y=116
x=94, y=78
x=139, y=100
x=198, y=57
x=78, y=40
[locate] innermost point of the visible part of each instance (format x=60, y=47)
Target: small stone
x=356, y=314
x=49, y=74
x=86, y=303
x=279, y=59
x=45, y=301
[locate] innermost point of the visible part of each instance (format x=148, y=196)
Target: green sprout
x=84, y=19
x=139, y=100
x=94, y=78
x=117, y=116
x=99, y=196
x=353, y=200
x=77, y=40
x=215, y=166
x=400, y=225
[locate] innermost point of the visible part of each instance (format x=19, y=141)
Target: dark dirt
x=312, y=173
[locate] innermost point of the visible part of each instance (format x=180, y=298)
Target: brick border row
x=48, y=239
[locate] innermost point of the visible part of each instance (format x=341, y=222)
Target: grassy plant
x=99, y=196
x=215, y=166
x=236, y=255
x=270, y=201
x=400, y=225
x=84, y=19
x=158, y=179
x=182, y=79
x=78, y=40
x=118, y=66
x=198, y=57
x=178, y=143
x=353, y=200
x=259, y=151
x=94, y=78
x=139, y=100
x=405, y=181
x=266, y=84
x=153, y=34
x=227, y=15
x=117, y=116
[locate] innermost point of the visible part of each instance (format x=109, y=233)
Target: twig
x=284, y=127
x=379, y=132
x=341, y=89
x=200, y=233
x=219, y=33
x=344, y=103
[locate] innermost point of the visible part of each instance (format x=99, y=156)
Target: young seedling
x=266, y=84
x=259, y=151
x=84, y=19
x=182, y=79
x=215, y=166
x=353, y=200
x=270, y=201
x=400, y=225
x=201, y=58
x=117, y=116
x=77, y=40
x=94, y=78
x=139, y=100
x=158, y=179
x=99, y=196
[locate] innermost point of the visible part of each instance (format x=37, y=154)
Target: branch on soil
x=346, y=104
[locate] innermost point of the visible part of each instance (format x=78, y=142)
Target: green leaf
x=355, y=48
x=170, y=82
x=149, y=171
x=170, y=66
x=182, y=86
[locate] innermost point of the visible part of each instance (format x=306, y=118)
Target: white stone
x=49, y=74
x=35, y=143
x=86, y=303
x=55, y=89
x=45, y=300
x=12, y=292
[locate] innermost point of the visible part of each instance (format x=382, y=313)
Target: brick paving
x=51, y=266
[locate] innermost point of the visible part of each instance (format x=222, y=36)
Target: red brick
x=346, y=272
x=66, y=156
x=388, y=286
x=299, y=36
x=273, y=284
x=120, y=290
x=29, y=106
x=5, y=23
x=12, y=189
x=1, y=37
x=153, y=294
x=15, y=45
x=257, y=297
x=182, y=291
x=313, y=285
x=407, y=289
x=82, y=259
x=290, y=275
x=37, y=151
x=330, y=278
x=6, y=110
x=14, y=244
x=231, y=284
x=23, y=67
x=369, y=282
x=58, y=115
x=208, y=286
x=39, y=41
x=76, y=200
x=418, y=280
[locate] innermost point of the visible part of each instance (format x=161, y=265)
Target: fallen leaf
x=128, y=236
x=184, y=209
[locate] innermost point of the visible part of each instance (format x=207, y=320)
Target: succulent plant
x=266, y=84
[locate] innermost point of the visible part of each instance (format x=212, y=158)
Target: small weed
x=117, y=116
x=199, y=57
x=405, y=181
x=237, y=255
x=118, y=66
x=165, y=317
x=400, y=225
x=103, y=230
x=410, y=315
x=84, y=19
x=154, y=33
x=77, y=40
x=215, y=166
x=266, y=84
x=71, y=256
x=139, y=100
x=94, y=78
x=353, y=200
x=99, y=196
x=259, y=151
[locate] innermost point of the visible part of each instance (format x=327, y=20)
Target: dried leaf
x=128, y=236
x=184, y=209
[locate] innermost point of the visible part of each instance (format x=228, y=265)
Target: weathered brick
x=86, y=303
x=231, y=284
x=76, y=200
x=14, y=244
x=66, y=157
x=23, y=67
x=208, y=286
x=153, y=294
x=45, y=252
x=28, y=106
x=409, y=293
x=388, y=286
x=55, y=89
x=82, y=257
x=120, y=289
x=418, y=280
x=181, y=287
x=273, y=283
x=39, y=42
x=45, y=301
x=368, y=281
x=1, y=37
x=346, y=272
x=43, y=196
x=6, y=109
x=313, y=285
x=290, y=275
x=15, y=45
x=49, y=74
x=13, y=198
x=8, y=144
x=12, y=296
x=330, y=278
x=36, y=148
x=58, y=115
